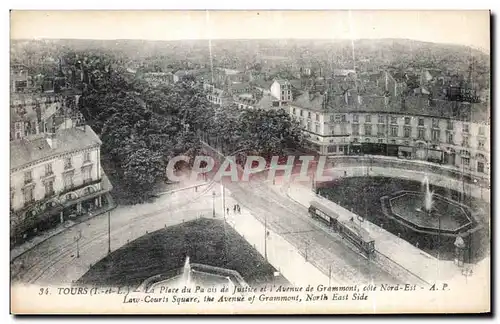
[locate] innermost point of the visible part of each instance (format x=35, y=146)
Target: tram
x=349, y=230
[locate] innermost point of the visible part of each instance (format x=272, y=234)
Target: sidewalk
x=44, y=236
x=280, y=253
x=421, y=264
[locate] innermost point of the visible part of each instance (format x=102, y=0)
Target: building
x=19, y=78
x=263, y=101
x=36, y=113
x=413, y=127
x=54, y=177
x=159, y=78
x=282, y=91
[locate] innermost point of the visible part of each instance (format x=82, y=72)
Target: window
x=332, y=118
x=381, y=140
x=87, y=177
x=435, y=123
x=332, y=131
x=343, y=118
x=68, y=181
x=480, y=167
x=407, y=131
x=435, y=134
x=67, y=163
x=48, y=169
x=393, y=141
x=394, y=120
x=28, y=195
x=465, y=141
x=450, y=138
x=367, y=140
x=394, y=131
x=407, y=120
x=355, y=129
x=317, y=128
x=449, y=124
x=301, y=115
x=355, y=140
x=420, y=122
x=465, y=128
x=86, y=157
x=480, y=144
x=368, y=118
x=294, y=110
x=481, y=130
x=308, y=114
x=282, y=93
x=421, y=133
x=332, y=148
x=368, y=130
x=381, y=129
x=309, y=127
x=317, y=117
x=465, y=161
x=49, y=188
x=355, y=118
x=28, y=177
x=381, y=119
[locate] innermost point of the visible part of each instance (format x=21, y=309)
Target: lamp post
x=466, y=272
x=77, y=239
x=213, y=203
x=265, y=235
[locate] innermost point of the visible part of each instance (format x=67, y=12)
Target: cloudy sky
x=459, y=27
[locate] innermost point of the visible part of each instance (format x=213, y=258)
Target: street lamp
x=213, y=203
x=466, y=272
x=77, y=239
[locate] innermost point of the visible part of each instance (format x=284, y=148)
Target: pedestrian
x=345, y=173
x=239, y=210
x=234, y=208
x=228, y=210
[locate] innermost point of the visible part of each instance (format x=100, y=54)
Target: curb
x=84, y=219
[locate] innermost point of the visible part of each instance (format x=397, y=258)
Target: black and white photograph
x=250, y=162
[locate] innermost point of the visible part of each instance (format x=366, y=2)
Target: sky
x=471, y=28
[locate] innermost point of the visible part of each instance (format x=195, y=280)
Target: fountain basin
x=446, y=217
x=199, y=275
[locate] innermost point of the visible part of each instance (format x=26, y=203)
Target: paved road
x=324, y=249
x=55, y=260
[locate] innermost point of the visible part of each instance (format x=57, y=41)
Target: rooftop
x=25, y=151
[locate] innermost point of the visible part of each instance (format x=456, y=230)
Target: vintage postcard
x=250, y=162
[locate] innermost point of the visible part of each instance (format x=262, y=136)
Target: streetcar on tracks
x=348, y=229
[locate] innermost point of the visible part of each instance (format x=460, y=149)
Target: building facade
x=55, y=177
x=371, y=125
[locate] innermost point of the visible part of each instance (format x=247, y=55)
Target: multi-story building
x=19, y=78
x=159, y=78
x=414, y=127
x=35, y=113
x=54, y=177
x=282, y=91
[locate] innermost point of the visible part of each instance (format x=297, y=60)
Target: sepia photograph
x=250, y=162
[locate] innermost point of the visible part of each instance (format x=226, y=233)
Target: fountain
x=186, y=272
x=427, y=196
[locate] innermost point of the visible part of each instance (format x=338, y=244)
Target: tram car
x=349, y=230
